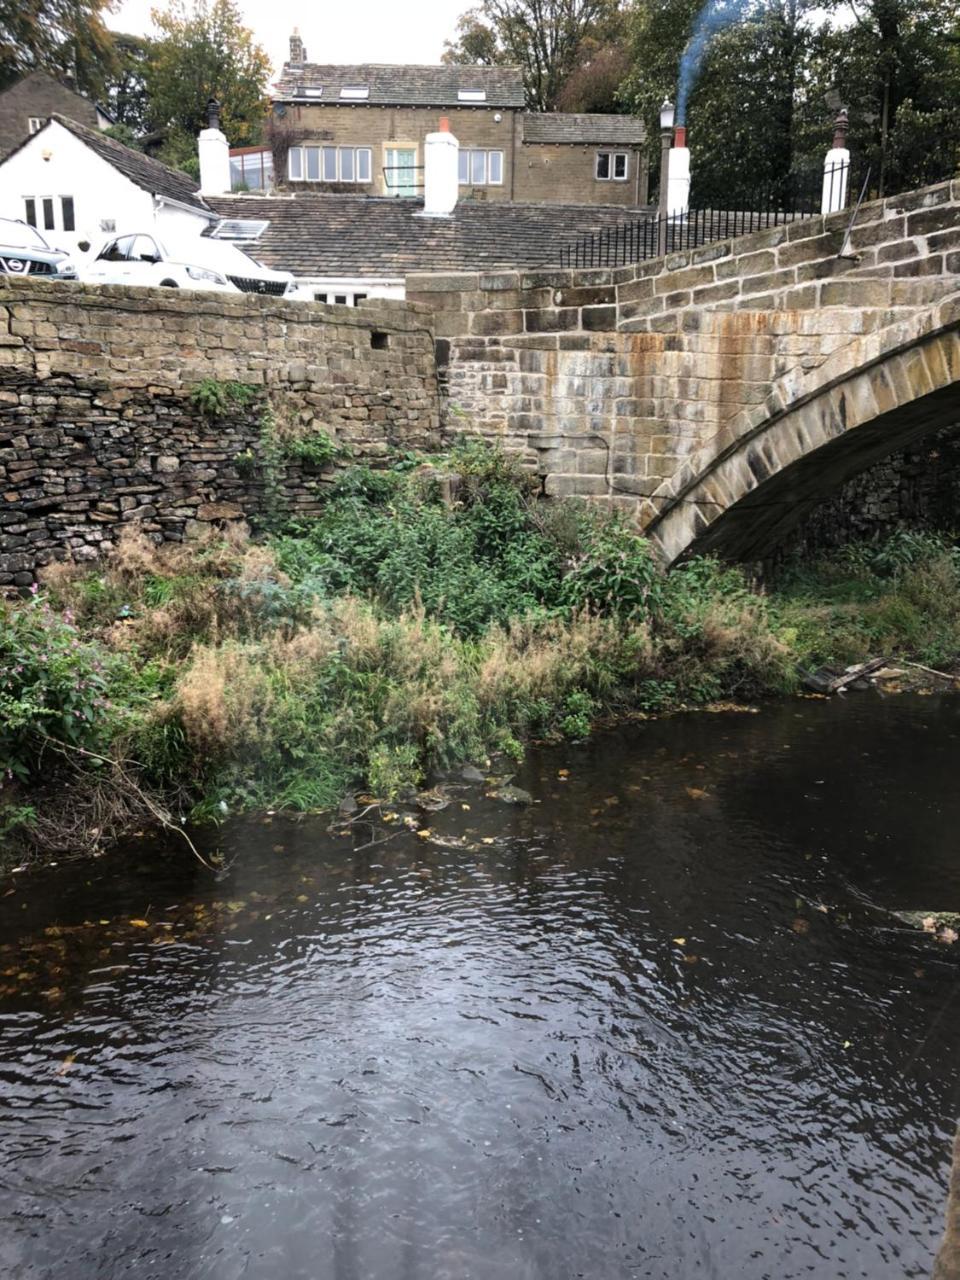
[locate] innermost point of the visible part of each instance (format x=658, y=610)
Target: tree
x=594, y=83
x=896, y=65
x=125, y=91
x=544, y=38
x=67, y=38
x=202, y=52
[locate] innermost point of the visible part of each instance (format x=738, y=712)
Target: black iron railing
x=799, y=196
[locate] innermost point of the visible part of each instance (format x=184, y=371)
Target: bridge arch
x=758, y=477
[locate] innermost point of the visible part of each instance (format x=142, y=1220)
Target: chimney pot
x=213, y=114
x=444, y=124
x=680, y=136
x=841, y=127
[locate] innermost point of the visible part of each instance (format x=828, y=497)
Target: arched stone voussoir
x=759, y=476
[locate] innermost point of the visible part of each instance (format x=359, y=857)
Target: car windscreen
x=20, y=235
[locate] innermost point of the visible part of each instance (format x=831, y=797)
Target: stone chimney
x=441, y=176
x=214, y=153
x=678, y=181
x=298, y=54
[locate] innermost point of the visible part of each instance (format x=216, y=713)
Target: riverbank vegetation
x=397, y=634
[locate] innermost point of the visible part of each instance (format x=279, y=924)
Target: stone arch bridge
x=724, y=392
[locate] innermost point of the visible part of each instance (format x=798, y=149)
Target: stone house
x=27, y=105
x=361, y=129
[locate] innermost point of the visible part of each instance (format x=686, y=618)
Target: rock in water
x=510, y=795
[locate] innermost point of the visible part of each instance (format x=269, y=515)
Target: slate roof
x=346, y=235
x=143, y=170
x=598, y=130
x=417, y=86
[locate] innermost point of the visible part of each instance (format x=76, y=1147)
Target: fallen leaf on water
x=66, y=1064
x=848, y=1044
x=425, y=833
x=563, y=773
x=929, y=924
x=302, y=897
x=681, y=942
x=947, y=935
x=800, y=925
x=140, y=924
x=695, y=793
x=487, y=840
x=691, y=959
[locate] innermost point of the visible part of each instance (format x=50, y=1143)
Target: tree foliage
x=67, y=38
x=204, y=51
x=772, y=80
x=546, y=39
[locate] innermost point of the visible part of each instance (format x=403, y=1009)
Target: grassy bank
x=395, y=635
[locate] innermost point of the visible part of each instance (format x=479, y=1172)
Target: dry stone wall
x=99, y=429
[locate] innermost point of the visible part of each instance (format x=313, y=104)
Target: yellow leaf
x=302, y=897
x=424, y=834
x=140, y=924
x=465, y=808
x=487, y=840
x=563, y=773
x=695, y=793
x=681, y=942
x=66, y=1064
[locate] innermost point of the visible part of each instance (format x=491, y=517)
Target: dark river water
x=659, y=1024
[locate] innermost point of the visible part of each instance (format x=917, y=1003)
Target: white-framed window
x=480, y=168
x=341, y=299
x=35, y=123
x=612, y=166
x=356, y=91
x=50, y=213
x=330, y=164
x=471, y=95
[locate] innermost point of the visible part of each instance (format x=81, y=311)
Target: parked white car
x=142, y=259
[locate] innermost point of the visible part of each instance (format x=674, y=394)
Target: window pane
x=496, y=166
x=236, y=173
x=603, y=165
x=620, y=165
x=478, y=167
x=66, y=205
x=329, y=164
x=296, y=163
x=319, y=297
x=364, y=159
x=464, y=166
x=48, y=222
x=31, y=208
x=311, y=157
x=347, y=155
x=340, y=298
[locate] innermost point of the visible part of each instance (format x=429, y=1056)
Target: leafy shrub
x=317, y=449
x=53, y=685
x=218, y=399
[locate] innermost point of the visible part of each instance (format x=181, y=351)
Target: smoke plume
x=712, y=18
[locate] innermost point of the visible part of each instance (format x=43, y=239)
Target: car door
x=144, y=261
x=111, y=265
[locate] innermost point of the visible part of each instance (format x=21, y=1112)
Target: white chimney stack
x=214, y=155
x=678, y=181
x=441, y=178
x=836, y=168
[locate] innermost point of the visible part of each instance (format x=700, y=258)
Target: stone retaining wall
x=98, y=427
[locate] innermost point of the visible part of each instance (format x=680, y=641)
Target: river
x=658, y=1024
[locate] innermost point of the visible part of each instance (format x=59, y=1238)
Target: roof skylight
x=245, y=229
x=355, y=91
x=471, y=95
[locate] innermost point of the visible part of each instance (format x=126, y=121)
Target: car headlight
x=67, y=268
x=201, y=273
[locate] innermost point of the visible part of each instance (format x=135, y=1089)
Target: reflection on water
x=653, y=1028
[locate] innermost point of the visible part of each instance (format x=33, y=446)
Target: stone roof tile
x=599, y=130
x=421, y=86
x=343, y=235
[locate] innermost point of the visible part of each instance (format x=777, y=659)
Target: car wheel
x=169, y=284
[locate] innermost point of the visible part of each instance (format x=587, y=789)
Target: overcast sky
x=349, y=31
